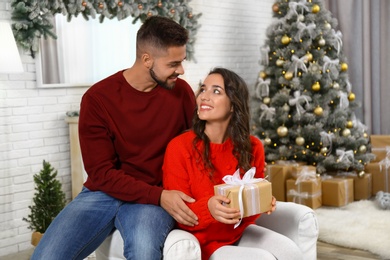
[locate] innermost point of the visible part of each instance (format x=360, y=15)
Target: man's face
x=166, y=68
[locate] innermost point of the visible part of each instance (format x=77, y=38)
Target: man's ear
x=147, y=60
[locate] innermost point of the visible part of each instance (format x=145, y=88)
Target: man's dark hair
x=160, y=33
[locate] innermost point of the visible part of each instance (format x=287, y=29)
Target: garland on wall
x=32, y=19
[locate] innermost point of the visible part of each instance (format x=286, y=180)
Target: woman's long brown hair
x=238, y=129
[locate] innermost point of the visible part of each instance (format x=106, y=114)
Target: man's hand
x=222, y=213
x=173, y=202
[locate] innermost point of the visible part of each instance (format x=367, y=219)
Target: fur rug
x=361, y=225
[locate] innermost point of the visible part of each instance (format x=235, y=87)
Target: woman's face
x=213, y=103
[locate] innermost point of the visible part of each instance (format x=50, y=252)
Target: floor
x=324, y=252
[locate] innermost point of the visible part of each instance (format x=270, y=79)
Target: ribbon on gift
x=297, y=102
x=247, y=179
x=299, y=196
x=386, y=164
x=386, y=148
x=298, y=63
x=306, y=175
x=262, y=87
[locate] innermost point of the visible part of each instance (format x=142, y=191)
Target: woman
x=217, y=145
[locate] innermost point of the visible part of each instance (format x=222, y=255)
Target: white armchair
x=295, y=221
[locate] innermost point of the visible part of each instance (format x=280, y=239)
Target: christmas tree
x=303, y=101
x=48, y=199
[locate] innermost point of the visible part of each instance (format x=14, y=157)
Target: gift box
x=278, y=174
x=362, y=185
x=337, y=192
x=299, y=170
x=306, y=192
x=251, y=196
x=380, y=146
x=380, y=175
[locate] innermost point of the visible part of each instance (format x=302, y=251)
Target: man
x=126, y=121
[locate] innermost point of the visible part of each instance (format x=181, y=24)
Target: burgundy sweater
x=181, y=172
x=124, y=132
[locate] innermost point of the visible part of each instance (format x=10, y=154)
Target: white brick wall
x=32, y=126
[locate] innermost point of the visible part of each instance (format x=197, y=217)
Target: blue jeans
x=85, y=222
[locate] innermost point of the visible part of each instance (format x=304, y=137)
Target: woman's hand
x=273, y=205
x=222, y=213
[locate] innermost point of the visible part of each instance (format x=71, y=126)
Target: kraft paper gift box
x=256, y=194
x=278, y=174
x=362, y=186
x=380, y=146
x=380, y=175
x=337, y=192
x=305, y=192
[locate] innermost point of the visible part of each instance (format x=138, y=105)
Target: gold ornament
x=285, y=39
x=361, y=174
x=362, y=149
x=159, y=4
x=286, y=107
x=309, y=56
x=365, y=135
x=190, y=15
x=324, y=150
x=282, y=131
x=315, y=9
x=275, y=8
x=344, y=66
x=263, y=75
x=301, y=18
x=84, y=3
x=173, y=11
x=288, y=75
x=101, y=5
x=351, y=96
x=336, y=85
x=349, y=124
x=266, y=100
x=318, y=111
x=140, y=6
x=299, y=140
x=327, y=26
x=346, y=132
x=279, y=62
x=321, y=41
x=267, y=141
x=316, y=86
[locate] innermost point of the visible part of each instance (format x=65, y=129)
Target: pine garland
x=32, y=18
x=48, y=199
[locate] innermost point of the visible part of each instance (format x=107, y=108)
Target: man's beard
x=163, y=84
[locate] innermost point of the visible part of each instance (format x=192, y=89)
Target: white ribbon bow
x=384, y=163
x=306, y=175
x=298, y=63
x=268, y=112
x=331, y=64
x=348, y=86
x=297, y=100
x=262, y=87
x=264, y=51
x=310, y=28
x=358, y=124
x=293, y=6
x=344, y=102
x=326, y=140
x=235, y=179
x=345, y=156
x=337, y=41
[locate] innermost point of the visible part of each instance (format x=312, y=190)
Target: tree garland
x=32, y=18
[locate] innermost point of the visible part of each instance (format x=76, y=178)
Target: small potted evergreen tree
x=48, y=201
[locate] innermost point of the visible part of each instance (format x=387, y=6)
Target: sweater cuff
x=155, y=195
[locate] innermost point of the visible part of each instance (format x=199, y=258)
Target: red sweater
x=124, y=132
x=181, y=172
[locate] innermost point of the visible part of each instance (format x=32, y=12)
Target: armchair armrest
x=296, y=221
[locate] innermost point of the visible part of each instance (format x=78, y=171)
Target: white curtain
x=366, y=36
x=88, y=51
